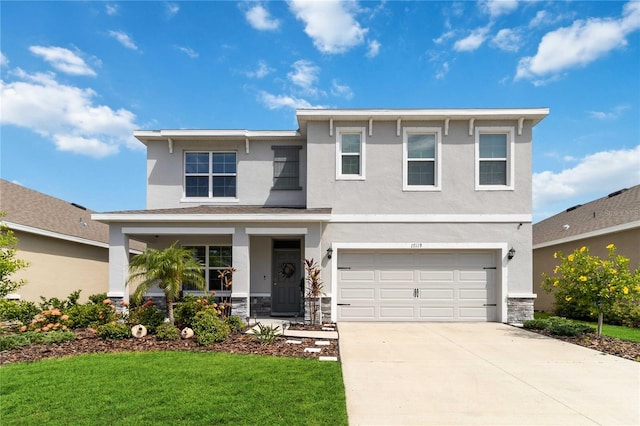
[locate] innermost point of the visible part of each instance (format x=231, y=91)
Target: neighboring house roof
x=219, y=213
x=616, y=212
x=37, y=213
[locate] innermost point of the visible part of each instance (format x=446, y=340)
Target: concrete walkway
x=481, y=374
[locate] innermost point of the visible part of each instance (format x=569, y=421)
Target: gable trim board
x=57, y=235
x=597, y=233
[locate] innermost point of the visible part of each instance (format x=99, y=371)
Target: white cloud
x=63, y=60
x=123, y=39
x=580, y=44
x=444, y=37
x=497, y=8
x=66, y=115
x=593, y=176
x=473, y=41
x=4, y=61
x=282, y=101
x=112, y=8
x=262, y=71
x=374, y=49
x=305, y=76
x=188, y=51
x=330, y=24
x=260, y=19
x=442, y=72
x=341, y=91
x=609, y=115
x=507, y=40
x=171, y=9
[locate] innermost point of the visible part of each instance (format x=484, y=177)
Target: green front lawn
x=150, y=388
x=616, y=331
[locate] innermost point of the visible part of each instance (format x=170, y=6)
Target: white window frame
x=509, y=131
x=210, y=176
x=437, y=166
x=363, y=142
x=207, y=269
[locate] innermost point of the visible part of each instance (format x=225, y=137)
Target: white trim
x=417, y=246
x=596, y=233
x=510, y=169
x=183, y=230
x=260, y=295
x=437, y=160
x=276, y=231
x=363, y=143
x=115, y=294
x=144, y=135
x=430, y=218
x=522, y=296
x=210, y=201
x=200, y=218
x=52, y=234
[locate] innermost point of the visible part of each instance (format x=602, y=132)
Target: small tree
x=9, y=264
x=226, y=278
x=168, y=269
x=314, y=288
x=591, y=283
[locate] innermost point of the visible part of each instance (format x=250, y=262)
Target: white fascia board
x=200, y=218
x=276, y=231
x=431, y=218
x=183, y=230
x=52, y=234
x=146, y=135
x=597, y=233
x=535, y=114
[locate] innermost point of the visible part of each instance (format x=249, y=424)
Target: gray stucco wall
x=165, y=173
x=382, y=191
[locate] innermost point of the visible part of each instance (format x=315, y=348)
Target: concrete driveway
x=480, y=373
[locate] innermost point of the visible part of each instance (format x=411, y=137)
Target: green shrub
x=266, y=334
x=98, y=298
x=185, y=311
x=564, y=327
x=536, y=324
x=14, y=341
x=17, y=310
x=91, y=315
x=148, y=315
x=209, y=328
x=235, y=323
x=55, y=303
x=166, y=331
x=114, y=331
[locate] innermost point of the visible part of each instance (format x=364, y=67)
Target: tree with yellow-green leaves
x=589, y=283
x=9, y=263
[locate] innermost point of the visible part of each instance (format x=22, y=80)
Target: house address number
x=416, y=245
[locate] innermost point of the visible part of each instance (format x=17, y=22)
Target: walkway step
x=294, y=342
x=328, y=358
x=322, y=343
x=312, y=350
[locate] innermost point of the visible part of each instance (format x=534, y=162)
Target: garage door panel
x=394, y=293
x=357, y=312
x=406, y=276
x=436, y=294
x=435, y=276
x=357, y=293
x=404, y=313
x=417, y=286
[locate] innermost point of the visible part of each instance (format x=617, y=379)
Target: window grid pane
x=493, y=146
x=286, y=168
x=196, y=162
x=350, y=164
x=421, y=146
x=421, y=173
x=197, y=186
x=219, y=258
x=351, y=143
x=493, y=172
x=224, y=186
x=224, y=163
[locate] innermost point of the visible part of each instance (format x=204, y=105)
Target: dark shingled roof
x=24, y=206
x=617, y=208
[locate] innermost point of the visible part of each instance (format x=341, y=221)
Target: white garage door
x=416, y=286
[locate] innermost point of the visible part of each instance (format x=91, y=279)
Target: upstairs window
x=286, y=167
x=494, y=148
x=350, y=153
x=421, y=158
x=210, y=174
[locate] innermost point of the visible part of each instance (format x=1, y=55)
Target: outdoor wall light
x=511, y=253
x=329, y=253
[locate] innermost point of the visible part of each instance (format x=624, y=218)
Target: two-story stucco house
x=413, y=214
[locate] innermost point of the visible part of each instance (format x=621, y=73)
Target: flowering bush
x=186, y=310
x=586, y=284
x=91, y=314
x=209, y=328
x=148, y=315
x=49, y=320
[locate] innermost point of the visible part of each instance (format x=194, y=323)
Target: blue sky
x=78, y=77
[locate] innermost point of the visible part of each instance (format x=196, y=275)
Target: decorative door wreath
x=287, y=270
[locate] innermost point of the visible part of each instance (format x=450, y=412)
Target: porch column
x=312, y=246
x=240, y=289
x=118, y=264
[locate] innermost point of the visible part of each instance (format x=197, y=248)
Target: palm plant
x=168, y=269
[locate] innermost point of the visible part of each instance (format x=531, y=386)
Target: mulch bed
x=607, y=345
x=87, y=342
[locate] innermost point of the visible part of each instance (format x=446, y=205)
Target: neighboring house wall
x=627, y=244
x=165, y=173
x=58, y=268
